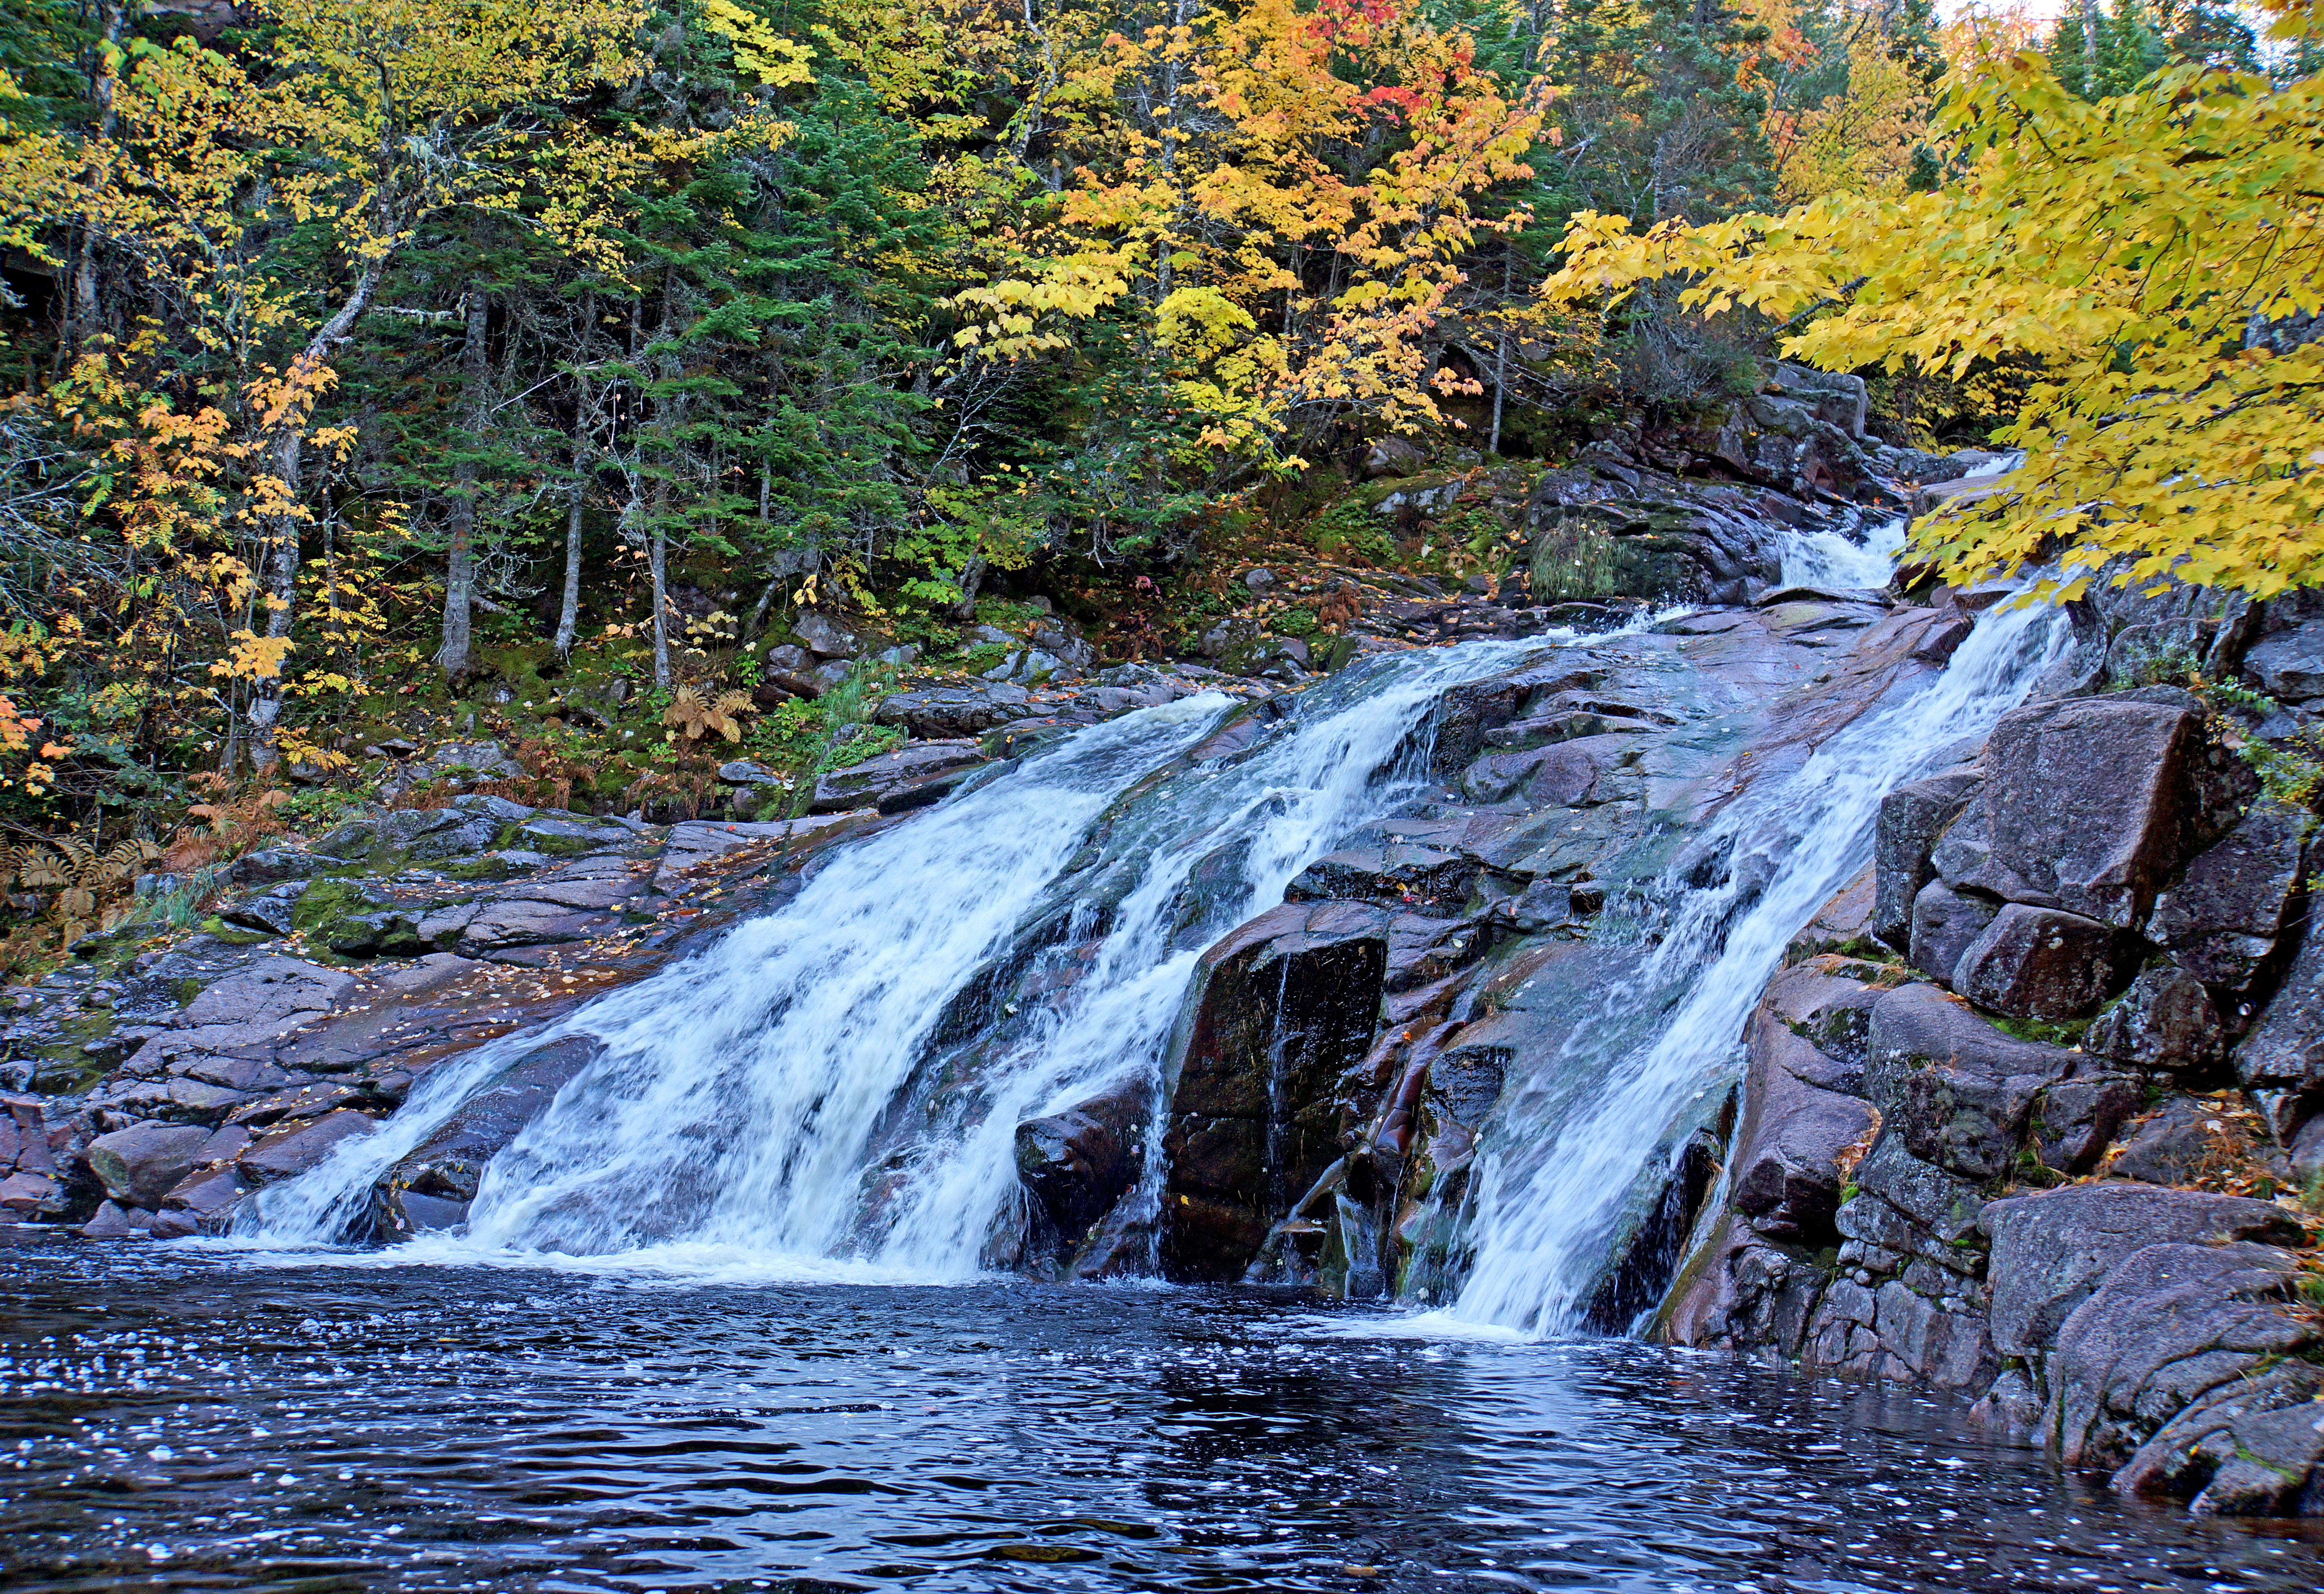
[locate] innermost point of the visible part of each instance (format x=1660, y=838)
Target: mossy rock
x=326, y=902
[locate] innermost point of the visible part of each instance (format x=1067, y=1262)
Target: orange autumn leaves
x=1277, y=200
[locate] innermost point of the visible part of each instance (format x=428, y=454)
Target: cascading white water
x=1563, y=1160
x=728, y=1117
x=1828, y=559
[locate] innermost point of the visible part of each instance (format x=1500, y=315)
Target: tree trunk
x=658, y=560
x=456, y=656
x=279, y=567
x=83, y=303
x=278, y=582
x=568, y=613
x=971, y=576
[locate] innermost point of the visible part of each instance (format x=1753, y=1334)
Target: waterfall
x=742, y=1106
x=1561, y=1166
x=1827, y=558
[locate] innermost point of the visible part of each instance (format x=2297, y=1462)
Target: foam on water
x=1560, y=1169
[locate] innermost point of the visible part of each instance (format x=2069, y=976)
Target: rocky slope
x=2039, y=1130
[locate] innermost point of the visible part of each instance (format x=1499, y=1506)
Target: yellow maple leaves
x=2132, y=248
x=1214, y=208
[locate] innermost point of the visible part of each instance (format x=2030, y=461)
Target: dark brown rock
x=447, y=1165
x=1281, y=1008
x=1801, y=1129
x=864, y=785
x=2044, y=964
x=1912, y=819
x=1076, y=1164
x=295, y=1149
x=1418, y=879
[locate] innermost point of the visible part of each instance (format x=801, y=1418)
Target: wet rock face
x=431, y=1185
x=1077, y=1163
x=1280, y=1010
x=877, y=782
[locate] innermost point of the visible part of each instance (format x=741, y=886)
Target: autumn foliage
x=2135, y=249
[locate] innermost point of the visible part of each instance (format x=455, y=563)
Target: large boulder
x=1958, y=1092
x=140, y=1164
x=1912, y=819
x=301, y=1145
x=2170, y=1322
x=2051, y=1250
x=1945, y=924
x=2250, y=1445
x=2289, y=663
x=1804, y=1123
x=2044, y=964
x=1281, y=1008
x=2165, y=1020
x=826, y=637
x=955, y=711
x=2095, y=802
x=2225, y=920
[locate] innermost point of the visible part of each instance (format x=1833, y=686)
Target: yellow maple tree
x=2137, y=250
x=1213, y=205
x=369, y=118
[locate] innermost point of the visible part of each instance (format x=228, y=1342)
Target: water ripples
x=181, y=1420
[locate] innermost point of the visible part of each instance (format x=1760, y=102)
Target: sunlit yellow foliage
x=1212, y=165
x=2126, y=246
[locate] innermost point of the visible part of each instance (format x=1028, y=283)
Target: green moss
x=1350, y=529
x=2039, y=1031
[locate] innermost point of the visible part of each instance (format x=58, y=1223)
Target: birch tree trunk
x=569, y=611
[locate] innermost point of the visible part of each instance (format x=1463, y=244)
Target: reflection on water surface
x=185, y=1420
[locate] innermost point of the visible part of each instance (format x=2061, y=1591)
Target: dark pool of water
x=181, y=1419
